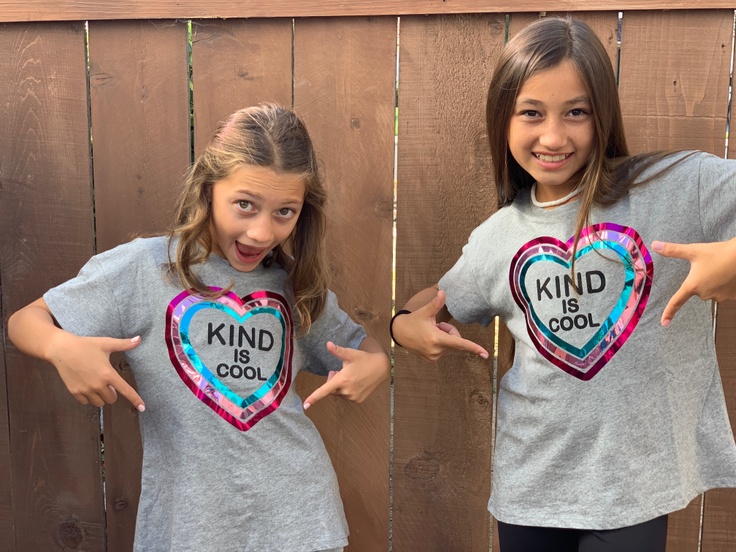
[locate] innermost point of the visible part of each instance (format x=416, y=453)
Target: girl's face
x=254, y=210
x=551, y=131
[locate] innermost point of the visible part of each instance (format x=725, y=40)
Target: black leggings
x=650, y=536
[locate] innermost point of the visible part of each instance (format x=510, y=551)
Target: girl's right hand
x=420, y=333
x=84, y=366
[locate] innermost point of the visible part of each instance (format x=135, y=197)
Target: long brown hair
x=265, y=135
x=610, y=171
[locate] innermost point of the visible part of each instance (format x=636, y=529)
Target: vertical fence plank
x=674, y=92
x=140, y=125
x=344, y=88
x=140, y=129
x=605, y=25
x=442, y=428
x=674, y=79
x=719, y=520
x=7, y=525
x=719, y=523
x=46, y=224
x=236, y=64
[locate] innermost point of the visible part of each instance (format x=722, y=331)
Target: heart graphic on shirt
x=243, y=412
x=605, y=338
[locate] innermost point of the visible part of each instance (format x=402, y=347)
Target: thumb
x=345, y=354
x=436, y=304
x=111, y=344
x=321, y=392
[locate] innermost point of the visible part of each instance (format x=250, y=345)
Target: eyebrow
x=532, y=101
x=260, y=197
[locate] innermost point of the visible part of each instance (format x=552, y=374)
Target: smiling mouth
x=552, y=158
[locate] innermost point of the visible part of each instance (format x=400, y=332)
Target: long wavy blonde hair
x=271, y=136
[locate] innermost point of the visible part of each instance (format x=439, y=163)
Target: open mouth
x=552, y=158
x=248, y=254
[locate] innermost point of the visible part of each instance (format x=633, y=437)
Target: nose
x=553, y=134
x=260, y=229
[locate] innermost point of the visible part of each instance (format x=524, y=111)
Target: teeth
x=551, y=158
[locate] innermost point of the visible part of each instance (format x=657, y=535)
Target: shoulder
x=686, y=163
x=155, y=247
x=140, y=254
x=501, y=219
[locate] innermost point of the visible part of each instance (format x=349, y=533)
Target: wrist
x=391, y=324
x=55, y=343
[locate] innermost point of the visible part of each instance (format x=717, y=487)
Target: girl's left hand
x=712, y=272
x=362, y=372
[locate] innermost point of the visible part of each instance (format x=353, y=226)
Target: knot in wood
x=363, y=315
x=423, y=468
x=120, y=504
x=479, y=401
x=384, y=209
x=70, y=534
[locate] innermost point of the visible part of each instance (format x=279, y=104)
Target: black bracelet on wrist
x=391, y=324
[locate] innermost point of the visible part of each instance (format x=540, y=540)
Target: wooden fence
x=96, y=135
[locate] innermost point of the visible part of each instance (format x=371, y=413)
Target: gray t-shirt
x=230, y=460
x=606, y=419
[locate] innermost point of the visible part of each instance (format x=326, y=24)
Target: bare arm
x=363, y=370
x=82, y=362
x=426, y=330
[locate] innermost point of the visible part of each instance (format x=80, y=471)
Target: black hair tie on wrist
x=391, y=324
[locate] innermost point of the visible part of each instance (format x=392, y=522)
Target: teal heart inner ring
x=616, y=312
x=206, y=373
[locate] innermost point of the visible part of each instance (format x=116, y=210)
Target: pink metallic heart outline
x=588, y=366
x=241, y=418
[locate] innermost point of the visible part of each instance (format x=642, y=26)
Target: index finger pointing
x=680, y=297
x=462, y=344
x=123, y=388
x=675, y=250
x=321, y=392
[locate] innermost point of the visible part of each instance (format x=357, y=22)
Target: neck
x=555, y=202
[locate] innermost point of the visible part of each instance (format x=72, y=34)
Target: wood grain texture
x=719, y=524
x=46, y=224
x=139, y=96
x=7, y=524
x=236, y=64
x=674, y=79
x=719, y=520
x=442, y=427
x=66, y=10
x=604, y=23
x=140, y=125
x=344, y=89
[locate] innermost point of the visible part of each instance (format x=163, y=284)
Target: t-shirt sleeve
x=717, y=197
x=86, y=305
x=332, y=325
x=466, y=301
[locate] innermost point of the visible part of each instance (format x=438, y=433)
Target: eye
x=529, y=113
x=286, y=212
x=245, y=205
x=578, y=112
